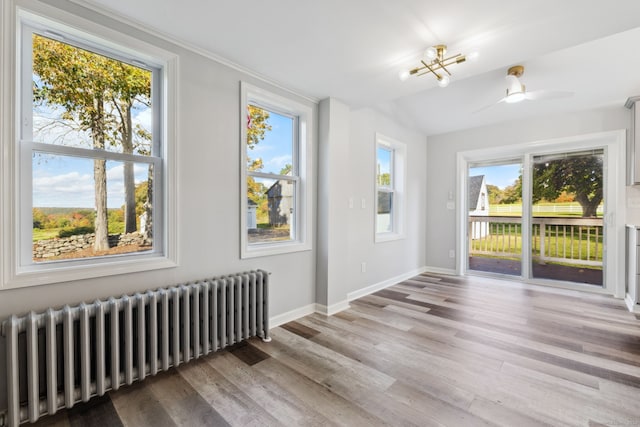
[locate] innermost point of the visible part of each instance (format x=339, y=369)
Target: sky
x=67, y=181
x=501, y=175
x=276, y=149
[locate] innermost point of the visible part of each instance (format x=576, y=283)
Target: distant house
x=478, y=206
x=252, y=208
x=281, y=203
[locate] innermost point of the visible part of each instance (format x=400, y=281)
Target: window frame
x=301, y=231
x=396, y=187
x=18, y=268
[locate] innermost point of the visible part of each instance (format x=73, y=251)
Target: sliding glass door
x=495, y=217
x=538, y=216
x=567, y=206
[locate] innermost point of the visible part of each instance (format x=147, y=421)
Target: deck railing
x=577, y=241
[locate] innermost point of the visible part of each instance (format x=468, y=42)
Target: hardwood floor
x=430, y=351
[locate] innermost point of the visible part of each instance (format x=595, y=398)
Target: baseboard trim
x=297, y=313
x=438, y=270
x=384, y=284
x=289, y=316
x=634, y=308
x=333, y=308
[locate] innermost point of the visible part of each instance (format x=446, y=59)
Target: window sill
x=44, y=274
x=266, y=249
x=388, y=237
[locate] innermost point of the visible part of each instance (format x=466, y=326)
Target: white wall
x=208, y=147
x=441, y=163
x=390, y=259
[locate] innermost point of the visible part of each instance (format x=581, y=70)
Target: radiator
x=61, y=357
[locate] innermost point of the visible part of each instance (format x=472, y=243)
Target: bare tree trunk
x=129, y=199
x=100, y=181
x=129, y=179
x=101, y=223
x=148, y=206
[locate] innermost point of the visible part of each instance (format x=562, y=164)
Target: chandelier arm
x=431, y=68
x=442, y=65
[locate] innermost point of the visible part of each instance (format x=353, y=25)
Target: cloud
x=76, y=189
x=276, y=164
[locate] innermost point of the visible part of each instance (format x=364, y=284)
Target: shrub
x=73, y=231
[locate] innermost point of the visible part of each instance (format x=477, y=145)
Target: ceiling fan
x=516, y=91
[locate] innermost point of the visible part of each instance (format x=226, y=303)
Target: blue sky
x=501, y=176
x=66, y=181
x=276, y=148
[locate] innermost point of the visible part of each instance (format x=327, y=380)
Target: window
x=91, y=151
x=390, y=176
x=275, y=146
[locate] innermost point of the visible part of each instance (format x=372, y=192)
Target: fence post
x=542, y=238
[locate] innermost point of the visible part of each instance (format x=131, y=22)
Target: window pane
x=384, y=158
x=67, y=214
x=270, y=210
x=82, y=99
x=270, y=140
x=384, y=221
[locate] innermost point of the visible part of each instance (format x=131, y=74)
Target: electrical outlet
x=363, y=267
x=350, y=202
x=364, y=203
x=452, y=253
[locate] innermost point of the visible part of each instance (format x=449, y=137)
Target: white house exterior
x=478, y=206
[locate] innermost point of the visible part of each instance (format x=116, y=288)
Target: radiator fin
x=61, y=357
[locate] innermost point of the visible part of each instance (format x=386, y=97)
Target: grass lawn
x=50, y=233
x=559, y=247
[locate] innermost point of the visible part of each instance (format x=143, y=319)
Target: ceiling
x=353, y=50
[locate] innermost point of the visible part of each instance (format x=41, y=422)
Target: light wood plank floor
x=430, y=351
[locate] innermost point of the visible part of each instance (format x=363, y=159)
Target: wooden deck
x=430, y=351
x=590, y=276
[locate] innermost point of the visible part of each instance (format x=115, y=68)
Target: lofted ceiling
x=353, y=50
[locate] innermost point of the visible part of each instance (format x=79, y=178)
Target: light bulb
x=403, y=75
x=443, y=81
x=472, y=56
x=431, y=53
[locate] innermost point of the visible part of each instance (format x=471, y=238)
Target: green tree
x=257, y=127
x=97, y=95
x=78, y=81
x=132, y=85
x=513, y=193
x=384, y=179
x=495, y=194
x=286, y=170
x=582, y=176
x=39, y=218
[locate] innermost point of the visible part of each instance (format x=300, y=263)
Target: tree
x=131, y=85
x=495, y=194
x=582, y=176
x=257, y=127
x=78, y=81
x=513, y=193
x=97, y=95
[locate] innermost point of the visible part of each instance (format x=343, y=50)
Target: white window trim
x=12, y=274
x=250, y=94
x=398, y=181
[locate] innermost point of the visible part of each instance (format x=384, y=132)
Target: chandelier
x=435, y=62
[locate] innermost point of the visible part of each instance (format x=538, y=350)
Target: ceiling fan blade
x=547, y=94
x=488, y=106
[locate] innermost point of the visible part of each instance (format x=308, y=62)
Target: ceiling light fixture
x=515, y=89
x=435, y=62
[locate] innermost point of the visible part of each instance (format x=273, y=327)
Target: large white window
x=276, y=168
x=90, y=170
x=390, y=183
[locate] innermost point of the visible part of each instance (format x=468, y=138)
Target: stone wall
x=49, y=248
